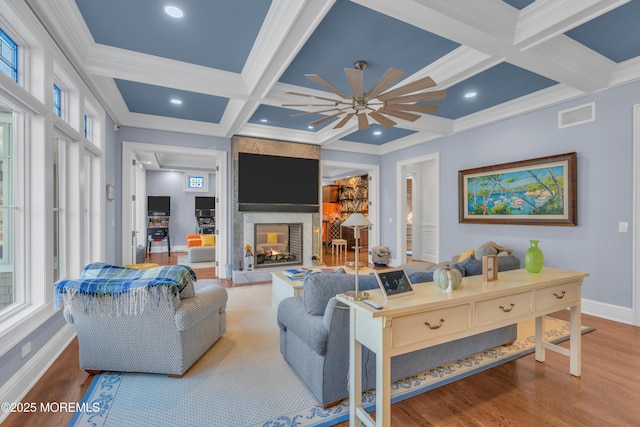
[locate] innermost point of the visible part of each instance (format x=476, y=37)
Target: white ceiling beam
x=544, y=19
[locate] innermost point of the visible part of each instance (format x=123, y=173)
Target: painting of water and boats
x=536, y=192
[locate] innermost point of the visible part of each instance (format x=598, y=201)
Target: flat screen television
x=278, y=184
x=159, y=205
x=205, y=206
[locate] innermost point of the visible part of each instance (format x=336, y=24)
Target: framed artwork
x=540, y=191
x=489, y=268
x=196, y=181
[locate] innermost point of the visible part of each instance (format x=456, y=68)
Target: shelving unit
x=158, y=231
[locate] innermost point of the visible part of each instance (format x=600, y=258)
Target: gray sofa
x=314, y=338
x=162, y=339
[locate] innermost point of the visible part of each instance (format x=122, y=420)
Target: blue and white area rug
x=244, y=381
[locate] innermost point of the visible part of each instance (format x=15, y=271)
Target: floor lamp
x=357, y=221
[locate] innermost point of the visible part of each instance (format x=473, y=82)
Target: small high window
x=57, y=99
x=8, y=56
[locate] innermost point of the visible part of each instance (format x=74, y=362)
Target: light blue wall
x=183, y=220
x=605, y=189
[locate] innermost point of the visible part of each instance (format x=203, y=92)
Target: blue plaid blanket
x=100, y=279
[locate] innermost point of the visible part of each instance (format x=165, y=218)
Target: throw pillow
x=272, y=237
x=208, y=240
x=465, y=254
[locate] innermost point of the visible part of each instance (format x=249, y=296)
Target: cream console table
x=431, y=316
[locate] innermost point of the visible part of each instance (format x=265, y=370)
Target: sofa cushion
x=470, y=266
x=319, y=288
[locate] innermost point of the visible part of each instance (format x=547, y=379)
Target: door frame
x=374, y=194
x=401, y=209
x=635, y=270
x=222, y=239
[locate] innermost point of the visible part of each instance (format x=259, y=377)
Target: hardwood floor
x=518, y=393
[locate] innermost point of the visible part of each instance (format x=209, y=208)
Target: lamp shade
x=356, y=220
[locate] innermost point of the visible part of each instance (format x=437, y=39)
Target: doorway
x=356, y=189
x=130, y=224
x=418, y=223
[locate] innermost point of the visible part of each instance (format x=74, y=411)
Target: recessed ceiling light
x=470, y=95
x=264, y=120
x=377, y=132
x=173, y=12
x=309, y=127
x=176, y=101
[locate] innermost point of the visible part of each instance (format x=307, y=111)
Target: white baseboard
x=608, y=311
x=22, y=381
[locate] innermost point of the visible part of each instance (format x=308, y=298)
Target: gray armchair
x=162, y=339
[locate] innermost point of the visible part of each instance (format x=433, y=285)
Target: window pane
x=8, y=56
x=7, y=282
x=56, y=101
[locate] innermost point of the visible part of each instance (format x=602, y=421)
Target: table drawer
x=557, y=295
x=498, y=309
x=430, y=324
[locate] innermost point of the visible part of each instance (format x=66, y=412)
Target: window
x=57, y=101
x=8, y=56
x=7, y=278
x=59, y=229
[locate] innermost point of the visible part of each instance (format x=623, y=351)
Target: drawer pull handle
x=506, y=310
x=560, y=296
x=435, y=327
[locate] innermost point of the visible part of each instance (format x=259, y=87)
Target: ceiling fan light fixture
x=378, y=103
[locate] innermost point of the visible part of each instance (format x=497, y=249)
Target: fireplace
x=278, y=245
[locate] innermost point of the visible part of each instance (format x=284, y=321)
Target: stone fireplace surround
x=244, y=222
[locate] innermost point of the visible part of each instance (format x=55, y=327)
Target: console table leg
x=575, y=342
x=540, y=339
x=355, y=373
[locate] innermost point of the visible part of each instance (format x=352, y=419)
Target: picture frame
x=540, y=191
x=489, y=268
x=196, y=181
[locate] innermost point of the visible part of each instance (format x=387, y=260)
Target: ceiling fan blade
x=390, y=77
x=325, y=119
x=413, y=107
x=400, y=114
x=420, y=84
x=384, y=121
x=437, y=95
x=313, y=96
x=344, y=121
x=355, y=80
x=308, y=113
x=322, y=82
x=308, y=105
x=363, y=123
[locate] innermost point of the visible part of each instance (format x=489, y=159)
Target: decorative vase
x=533, y=258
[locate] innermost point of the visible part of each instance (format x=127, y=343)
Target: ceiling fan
x=376, y=103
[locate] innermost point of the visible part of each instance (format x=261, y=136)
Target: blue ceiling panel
x=377, y=135
x=501, y=83
x=519, y=4
x=202, y=36
x=350, y=32
x=156, y=100
x=281, y=117
x=615, y=34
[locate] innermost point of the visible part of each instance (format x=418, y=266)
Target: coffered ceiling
x=231, y=63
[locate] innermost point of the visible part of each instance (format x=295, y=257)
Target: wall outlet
x=26, y=349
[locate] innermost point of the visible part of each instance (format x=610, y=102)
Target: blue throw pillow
x=469, y=267
x=421, y=277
